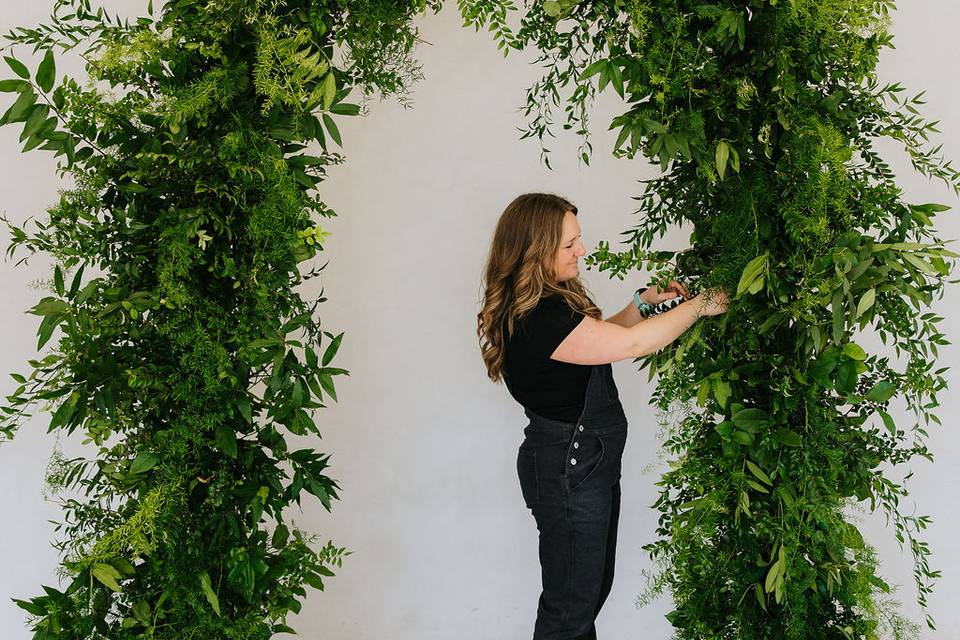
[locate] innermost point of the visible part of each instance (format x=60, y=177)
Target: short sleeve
x=549, y=323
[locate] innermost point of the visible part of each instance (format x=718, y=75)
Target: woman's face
x=565, y=262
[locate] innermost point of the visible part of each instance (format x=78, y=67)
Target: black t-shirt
x=548, y=387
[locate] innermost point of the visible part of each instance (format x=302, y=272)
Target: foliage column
x=188, y=359
x=762, y=115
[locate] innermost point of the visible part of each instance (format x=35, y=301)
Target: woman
x=541, y=333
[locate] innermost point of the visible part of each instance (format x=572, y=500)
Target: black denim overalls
x=570, y=478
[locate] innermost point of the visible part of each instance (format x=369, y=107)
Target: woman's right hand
x=711, y=302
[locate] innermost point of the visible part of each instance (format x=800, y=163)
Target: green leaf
x=243, y=403
x=756, y=485
x=327, y=383
x=821, y=368
x=18, y=67
x=888, y=422
x=226, y=439
x=725, y=428
x=332, y=128
x=331, y=350
x=8, y=86
x=143, y=462
x=345, y=109
x=866, y=301
x=881, y=392
x=846, y=376
x=772, y=576
x=208, y=593
x=46, y=72
x=107, y=575
x=723, y=152
x=329, y=90
x=743, y=438
x=593, y=68
x=854, y=351
x=788, y=437
x=757, y=471
x=551, y=8
x=751, y=273
x=751, y=420
x=58, y=280
x=20, y=110
x=721, y=391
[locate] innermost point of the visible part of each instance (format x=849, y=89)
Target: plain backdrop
x=423, y=444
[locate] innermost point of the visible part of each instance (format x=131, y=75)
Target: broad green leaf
x=857, y=542
x=143, y=462
x=46, y=72
x=208, y=593
x=243, y=403
x=845, y=378
x=20, y=110
x=18, y=67
x=772, y=576
x=107, y=575
x=854, y=351
x=866, y=301
x=751, y=420
x=226, y=439
x=329, y=90
x=721, y=391
x=743, y=438
x=881, y=392
x=751, y=273
x=788, y=437
x=723, y=152
x=7, y=86
x=725, y=428
x=821, y=368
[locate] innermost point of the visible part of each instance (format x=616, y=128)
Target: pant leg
x=611, y=547
x=576, y=561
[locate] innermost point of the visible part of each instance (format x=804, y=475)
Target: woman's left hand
x=654, y=296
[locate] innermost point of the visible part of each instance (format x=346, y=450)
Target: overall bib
x=570, y=479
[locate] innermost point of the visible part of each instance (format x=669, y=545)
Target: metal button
x=581, y=427
x=576, y=445
x=573, y=461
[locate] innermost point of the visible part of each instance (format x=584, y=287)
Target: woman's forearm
x=627, y=317
x=658, y=331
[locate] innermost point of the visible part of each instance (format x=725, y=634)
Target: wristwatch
x=646, y=309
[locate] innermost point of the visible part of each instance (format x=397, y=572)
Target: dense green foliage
x=194, y=197
x=184, y=353
x=763, y=115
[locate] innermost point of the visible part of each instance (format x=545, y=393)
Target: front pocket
x=583, y=458
x=527, y=473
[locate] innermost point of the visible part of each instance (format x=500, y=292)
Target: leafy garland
x=194, y=198
x=763, y=115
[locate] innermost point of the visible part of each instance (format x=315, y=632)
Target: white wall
x=423, y=445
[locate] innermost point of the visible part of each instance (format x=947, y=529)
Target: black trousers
x=570, y=479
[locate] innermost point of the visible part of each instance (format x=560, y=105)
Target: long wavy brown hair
x=528, y=234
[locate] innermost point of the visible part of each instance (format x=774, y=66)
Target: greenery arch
x=195, y=196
